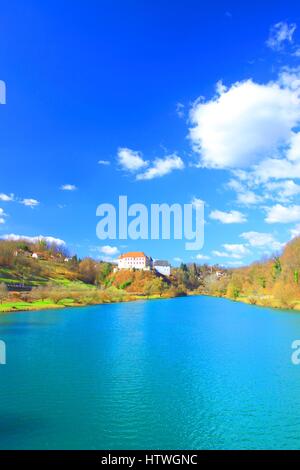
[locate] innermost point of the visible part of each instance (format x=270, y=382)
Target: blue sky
x=177, y=101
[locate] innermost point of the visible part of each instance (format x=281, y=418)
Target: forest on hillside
x=271, y=282
x=53, y=276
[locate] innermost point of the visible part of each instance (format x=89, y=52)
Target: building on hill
x=135, y=260
x=163, y=267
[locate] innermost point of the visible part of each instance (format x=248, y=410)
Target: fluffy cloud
x=161, y=167
x=233, y=263
x=50, y=240
x=282, y=214
x=2, y=214
x=202, y=257
x=68, y=187
x=109, y=250
x=197, y=203
x=245, y=196
x=235, y=251
x=103, y=162
x=244, y=124
x=280, y=34
x=29, y=202
x=261, y=240
x=295, y=232
x=221, y=254
x=130, y=160
x=232, y=217
x=275, y=168
x=180, y=110
x=6, y=197
x=282, y=190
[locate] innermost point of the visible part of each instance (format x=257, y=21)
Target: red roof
x=133, y=254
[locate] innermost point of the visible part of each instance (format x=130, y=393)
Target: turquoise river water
x=194, y=373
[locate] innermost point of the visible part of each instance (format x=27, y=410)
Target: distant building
x=220, y=274
x=162, y=267
x=135, y=260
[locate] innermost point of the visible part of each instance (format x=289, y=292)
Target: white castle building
x=136, y=260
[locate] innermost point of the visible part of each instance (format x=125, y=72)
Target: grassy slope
x=55, y=272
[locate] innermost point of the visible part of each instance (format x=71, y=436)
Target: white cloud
x=68, y=187
x=180, y=110
x=244, y=124
x=284, y=190
x=235, y=251
x=131, y=160
x=244, y=195
x=29, y=202
x=233, y=263
x=280, y=34
x=289, y=77
x=103, y=162
x=197, y=203
x=282, y=214
x=236, y=248
x=202, y=257
x=161, y=167
x=50, y=240
x=232, y=217
x=178, y=260
x=2, y=216
x=109, y=250
x=293, y=153
x=276, y=168
x=295, y=232
x=221, y=254
x=6, y=197
x=248, y=198
x=262, y=240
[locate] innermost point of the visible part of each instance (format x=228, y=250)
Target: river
x=194, y=372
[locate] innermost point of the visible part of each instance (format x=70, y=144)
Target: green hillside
x=39, y=275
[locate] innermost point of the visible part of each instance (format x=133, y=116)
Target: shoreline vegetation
x=39, y=276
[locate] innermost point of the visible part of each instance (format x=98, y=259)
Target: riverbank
x=47, y=304
x=267, y=301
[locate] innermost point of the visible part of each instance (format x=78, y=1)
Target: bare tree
x=3, y=292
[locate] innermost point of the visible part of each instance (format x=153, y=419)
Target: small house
x=163, y=267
